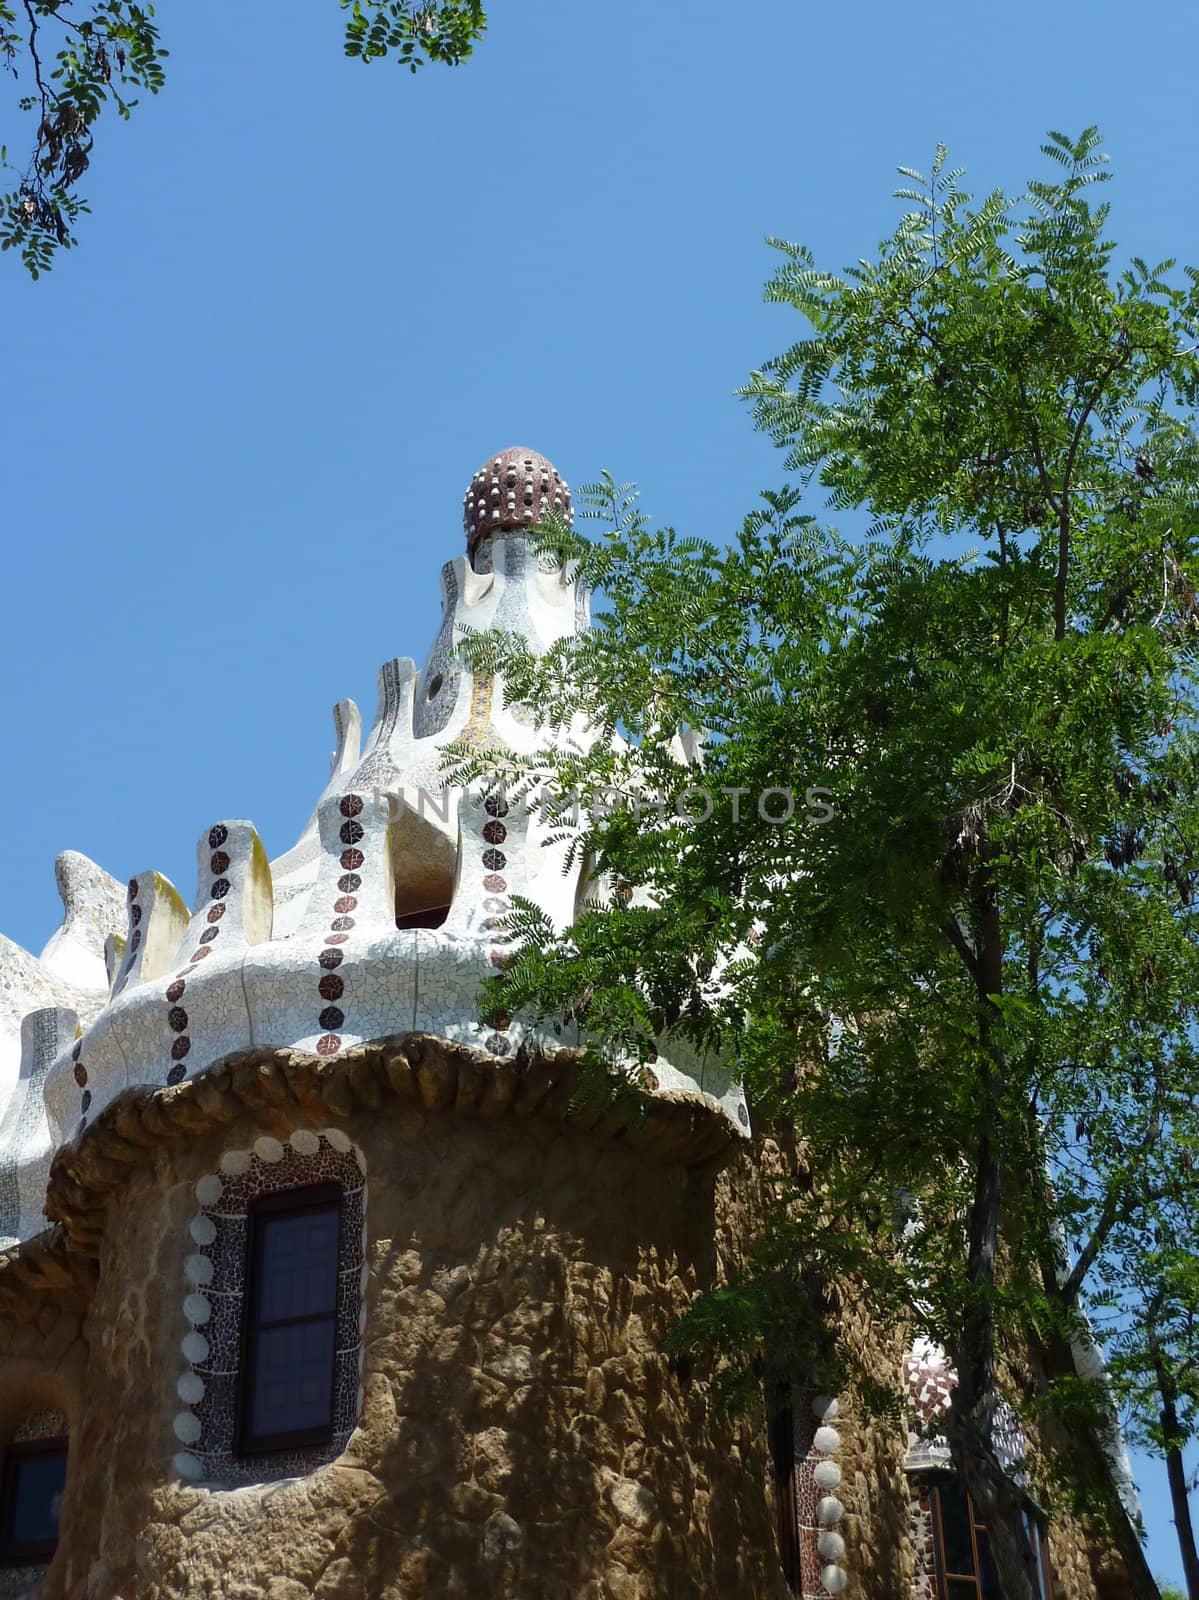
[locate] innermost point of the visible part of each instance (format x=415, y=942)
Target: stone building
x=312, y=1284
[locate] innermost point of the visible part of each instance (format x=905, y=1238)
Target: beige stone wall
x=521, y=1435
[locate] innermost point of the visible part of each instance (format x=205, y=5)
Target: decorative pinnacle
x=513, y=490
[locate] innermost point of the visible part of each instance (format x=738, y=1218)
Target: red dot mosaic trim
x=79, y=1072
x=135, y=917
x=331, y=988
x=495, y=833
x=218, y=865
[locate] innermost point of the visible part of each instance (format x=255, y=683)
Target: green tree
x=1155, y=1368
x=971, y=982
x=75, y=59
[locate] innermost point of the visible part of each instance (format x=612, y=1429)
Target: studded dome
x=513, y=490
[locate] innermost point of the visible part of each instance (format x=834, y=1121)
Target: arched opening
x=424, y=857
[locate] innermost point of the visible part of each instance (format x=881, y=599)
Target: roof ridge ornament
x=512, y=490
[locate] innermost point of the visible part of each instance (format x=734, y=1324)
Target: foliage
x=73, y=59
x=973, y=982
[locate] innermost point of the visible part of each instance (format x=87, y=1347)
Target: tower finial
x=514, y=489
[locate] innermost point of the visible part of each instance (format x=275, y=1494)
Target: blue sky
x=313, y=297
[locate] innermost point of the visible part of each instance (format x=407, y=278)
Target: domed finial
x=513, y=490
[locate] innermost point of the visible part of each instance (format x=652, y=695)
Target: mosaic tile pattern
x=818, y=1510
x=18, y=1583
x=42, y=1425
x=924, y=1544
x=214, y=1278
x=94, y=908
x=294, y=873
x=442, y=678
x=69, y=975
x=25, y=1140
x=929, y=1381
x=315, y=959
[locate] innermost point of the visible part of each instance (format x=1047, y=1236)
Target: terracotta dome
x=514, y=489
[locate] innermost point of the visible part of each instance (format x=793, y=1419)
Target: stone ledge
x=46, y=1264
x=413, y=1071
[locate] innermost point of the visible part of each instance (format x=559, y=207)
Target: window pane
x=988, y=1577
x=37, y=1499
x=955, y=1524
x=297, y=1264
x=292, y=1384
x=1037, y=1539
x=962, y=1589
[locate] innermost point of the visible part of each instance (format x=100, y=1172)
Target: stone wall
x=520, y=1431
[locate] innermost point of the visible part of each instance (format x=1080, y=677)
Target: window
x=288, y=1389
x=31, y=1489
x=965, y=1568
x=277, y=1272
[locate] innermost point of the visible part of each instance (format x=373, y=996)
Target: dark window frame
x=310, y=1199
x=15, y=1553
x=780, y=1434
x=976, y=1531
